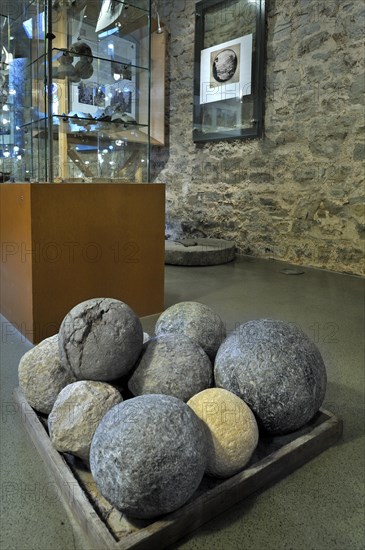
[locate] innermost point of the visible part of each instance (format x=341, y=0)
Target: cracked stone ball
x=100, y=339
x=231, y=427
x=42, y=375
x=276, y=369
x=148, y=455
x=172, y=365
x=196, y=321
x=76, y=414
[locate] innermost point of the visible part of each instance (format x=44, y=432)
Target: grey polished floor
x=319, y=507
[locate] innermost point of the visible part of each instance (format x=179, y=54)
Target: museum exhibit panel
x=229, y=69
x=80, y=111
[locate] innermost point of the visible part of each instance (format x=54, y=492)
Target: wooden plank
x=291, y=452
x=76, y=158
x=157, y=88
x=16, y=269
x=158, y=85
x=61, y=41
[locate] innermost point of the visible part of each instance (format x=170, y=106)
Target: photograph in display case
x=113, y=81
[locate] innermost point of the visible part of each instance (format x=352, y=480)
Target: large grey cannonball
x=276, y=369
x=100, y=339
x=76, y=414
x=173, y=365
x=148, y=455
x=195, y=320
x=42, y=375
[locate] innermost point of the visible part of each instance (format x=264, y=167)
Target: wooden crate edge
x=193, y=515
x=73, y=496
x=269, y=470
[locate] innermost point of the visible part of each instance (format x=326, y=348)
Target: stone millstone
x=196, y=321
x=199, y=251
x=232, y=432
x=100, y=339
x=172, y=365
x=76, y=414
x=148, y=455
x=276, y=369
x=42, y=376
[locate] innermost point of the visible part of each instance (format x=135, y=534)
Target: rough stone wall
x=298, y=193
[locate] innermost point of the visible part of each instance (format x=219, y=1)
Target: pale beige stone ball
x=42, y=375
x=231, y=429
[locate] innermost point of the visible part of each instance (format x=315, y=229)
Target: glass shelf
x=90, y=122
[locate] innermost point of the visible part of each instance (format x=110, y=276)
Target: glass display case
x=78, y=100
x=6, y=103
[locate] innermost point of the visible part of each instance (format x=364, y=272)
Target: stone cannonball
x=276, y=369
x=64, y=71
x=76, y=414
x=100, y=339
x=81, y=49
x=197, y=321
x=65, y=59
x=42, y=375
x=232, y=432
x=148, y=455
x=172, y=365
x=84, y=69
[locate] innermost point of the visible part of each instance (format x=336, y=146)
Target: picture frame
x=229, y=69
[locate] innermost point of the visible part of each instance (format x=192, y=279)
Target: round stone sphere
x=196, y=321
x=81, y=49
x=76, y=414
x=65, y=59
x=276, y=369
x=100, y=339
x=84, y=69
x=232, y=432
x=42, y=375
x=148, y=455
x=172, y=365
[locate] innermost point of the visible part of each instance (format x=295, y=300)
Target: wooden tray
x=108, y=529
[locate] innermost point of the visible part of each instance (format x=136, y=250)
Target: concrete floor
x=319, y=507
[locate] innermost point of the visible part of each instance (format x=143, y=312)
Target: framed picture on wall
x=225, y=70
x=229, y=69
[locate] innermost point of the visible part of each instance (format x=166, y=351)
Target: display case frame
x=92, y=127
